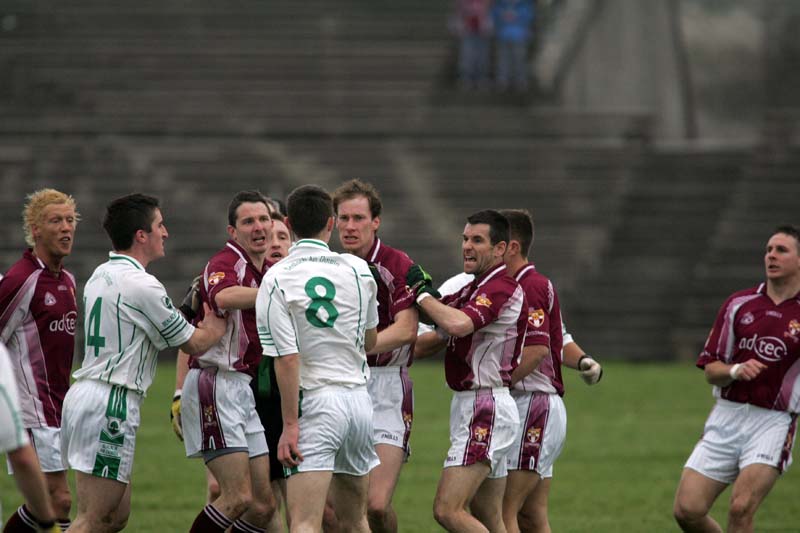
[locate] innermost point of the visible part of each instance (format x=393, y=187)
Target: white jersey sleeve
x=276, y=330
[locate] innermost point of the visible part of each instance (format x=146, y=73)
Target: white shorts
x=12, y=435
x=392, y=395
x=737, y=435
x=218, y=411
x=543, y=431
x=483, y=428
x=98, y=429
x=47, y=443
x=336, y=431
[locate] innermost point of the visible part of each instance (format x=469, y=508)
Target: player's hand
x=212, y=322
x=288, y=454
x=191, y=302
x=175, y=416
x=590, y=370
x=748, y=371
x=419, y=282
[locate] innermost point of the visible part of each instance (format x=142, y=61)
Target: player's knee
x=263, y=507
x=687, y=513
x=742, y=510
x=213, y=491
x=532, y=521
x=62, y=502
x=443, y=514
x=378, y=506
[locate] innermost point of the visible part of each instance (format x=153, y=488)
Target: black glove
x=191, y=302
x=419, y=282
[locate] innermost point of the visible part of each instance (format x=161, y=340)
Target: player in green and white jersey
x=128, y=319
x=316, y=313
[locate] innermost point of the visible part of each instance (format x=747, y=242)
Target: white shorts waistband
x=496, y=391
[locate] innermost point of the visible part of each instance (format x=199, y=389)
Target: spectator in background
x=512, y=23
x=472, y=23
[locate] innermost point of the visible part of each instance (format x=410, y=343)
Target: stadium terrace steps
x=666, y=221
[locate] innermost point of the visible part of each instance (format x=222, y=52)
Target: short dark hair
x=792, y=231
x=246, y=196
x=355, y=188
x=498, y=225
x=309, y=209
x=520, y=228
x=275, y=215
x=127, y=215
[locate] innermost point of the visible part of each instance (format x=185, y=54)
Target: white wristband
x=735, y=370
x=422, y=297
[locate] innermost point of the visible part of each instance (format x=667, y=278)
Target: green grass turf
x=627, y=441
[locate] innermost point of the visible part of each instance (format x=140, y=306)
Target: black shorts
x=268, y=407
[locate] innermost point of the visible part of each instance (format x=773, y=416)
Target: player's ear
x=329, y=226
x=231, y=231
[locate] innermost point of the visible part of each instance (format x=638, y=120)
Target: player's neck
x=137, y=254
x=780, y=290
x=52, y=262
x=363, y=252
x=258, y=259
x=515, y=264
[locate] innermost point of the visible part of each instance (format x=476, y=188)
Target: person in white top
x=15, y=444
x=317, y=314
x=128, y=319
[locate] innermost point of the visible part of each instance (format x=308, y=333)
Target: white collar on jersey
x=114, y=256
x=309, y=243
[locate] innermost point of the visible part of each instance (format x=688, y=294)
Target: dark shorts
x=268, y=407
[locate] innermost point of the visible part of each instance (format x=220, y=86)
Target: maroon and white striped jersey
x=750, y=326
x=544, y=328
x=393, y=297
x=38, y=316
x=497, y=307
x=239, y=349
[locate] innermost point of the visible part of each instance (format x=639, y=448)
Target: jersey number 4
x=93, y=337
x=322, y=301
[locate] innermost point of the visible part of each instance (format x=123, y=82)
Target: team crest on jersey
x=407, y=419
x=167, y=302
x=483, y=300
x=49, y=299
x=747, y=319
x=208, y=416
x=215, y=278
x=794, y=330
x=113, y=426
x=481, y=434
x=535, y=317
x=533, y=434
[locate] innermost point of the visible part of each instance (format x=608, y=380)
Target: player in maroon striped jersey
x=752, y=358
x=38, y=315
x=483, y=325
x=358, y=211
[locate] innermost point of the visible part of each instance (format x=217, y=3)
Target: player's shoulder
x=745, y=294
x=354, y=261
x=393, y=258
x=530, y=278
x=19, y=271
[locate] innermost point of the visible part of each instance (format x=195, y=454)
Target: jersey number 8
x=321, y=301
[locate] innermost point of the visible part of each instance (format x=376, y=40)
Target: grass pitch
x=627, y=441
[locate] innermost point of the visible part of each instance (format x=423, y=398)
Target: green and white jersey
x=319, y=304
x=128, y=319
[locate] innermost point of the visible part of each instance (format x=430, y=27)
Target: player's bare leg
x=519, y=485
x=693, y=500
x=487, y=504
x=349, y=498
x=279, y=493
x=305, y=500
x=103, y=504
x=232, y=472
x=382, y=482
x=58, y=488
x=457, y=487
x=533, y=515
x=212, y=487
x=751, y=487
x=263, y=505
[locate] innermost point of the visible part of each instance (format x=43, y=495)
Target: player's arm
x=236, y=297
x=207, y=333
x=532, y=357
x=722, y=374
x=429, y=344
x=370, y=339
x=401, y=333
x=287, y=371
x=31, y=482
x=574, y=357
x=181, y=369
x=454, y=321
